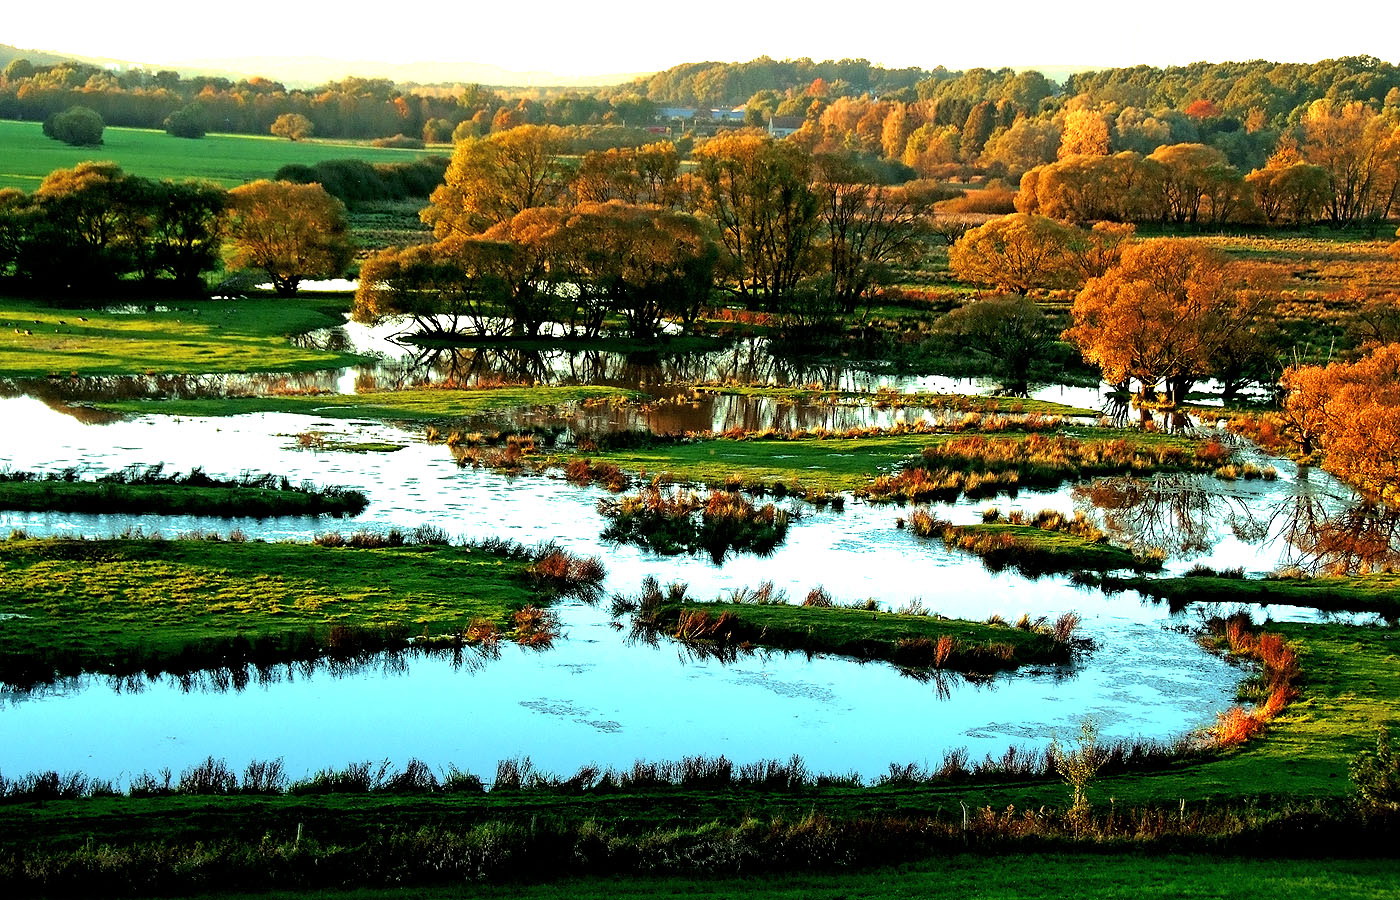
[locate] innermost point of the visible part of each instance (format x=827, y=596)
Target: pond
x=597, y=697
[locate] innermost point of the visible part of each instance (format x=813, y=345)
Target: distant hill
x=310, y=71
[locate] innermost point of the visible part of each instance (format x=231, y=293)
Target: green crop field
x=26, y=156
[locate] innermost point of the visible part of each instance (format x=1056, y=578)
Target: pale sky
x=579, y=37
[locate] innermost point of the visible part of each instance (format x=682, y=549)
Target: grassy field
x=125, y=606
x=425, y=405
x=230, y=500
x=227, y=159
x=190, y=337
x=1021, y=876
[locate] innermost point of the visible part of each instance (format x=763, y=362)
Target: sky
x=608, y=36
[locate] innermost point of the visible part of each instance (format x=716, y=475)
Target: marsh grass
x=148, y=489
x=1046, y=543
x=912, y=637
x=979, y=466
x=146, y=606
x=674, y=521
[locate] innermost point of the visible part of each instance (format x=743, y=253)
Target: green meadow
x=26, y=156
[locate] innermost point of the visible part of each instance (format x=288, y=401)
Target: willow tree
x=491, y=180
x=290, y=231
x=758, y=191
x=1162, y=314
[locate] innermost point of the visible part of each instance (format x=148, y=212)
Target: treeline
x=95, y=224
x=350, y=108
x=731, y=84
x=526, y=237
x=96, y=227
x=1340, y=165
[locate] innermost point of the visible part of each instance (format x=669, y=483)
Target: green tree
x=1012, y=332
x=187, y=122
x=1376, y=774
x=77, y=125
x=290, y=231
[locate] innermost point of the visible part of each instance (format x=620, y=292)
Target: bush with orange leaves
x=1279, y=669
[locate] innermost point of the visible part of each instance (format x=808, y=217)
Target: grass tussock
x=912, y=637
x=677, y=521
x=977, y=466
x=1045, y=543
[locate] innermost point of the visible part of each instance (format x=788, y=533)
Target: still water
x=598, y=697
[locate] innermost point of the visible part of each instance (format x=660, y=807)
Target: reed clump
x=675, y=521
x=1273, y=686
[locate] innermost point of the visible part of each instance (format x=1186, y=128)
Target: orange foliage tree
x=1351, y=412
x=1162, y=314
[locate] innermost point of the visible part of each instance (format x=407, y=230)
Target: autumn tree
x=1022, y=146
x=1351, y=412
x=290, y=231
x=89, y=227
x=1016, y=253
x=292, y=126
x=442, y=286
x=866, y=227
x=1161, y=314
x=490, y=180
x=640, y=262
x=1190, y=180
x=1085, y=134
x=1087, y=189
x=649, y=174
x=758, y=191
x=1011, y=332
x=1289, y=192
x=1360, y=152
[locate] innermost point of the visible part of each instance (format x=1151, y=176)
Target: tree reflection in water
x=1173, y=514
x=1184, y=515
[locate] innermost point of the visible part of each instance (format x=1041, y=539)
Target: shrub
x=398, y=141
x=187, y=122
x=77, y=125
x=1376, y=774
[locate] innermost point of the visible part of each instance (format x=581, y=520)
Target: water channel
x=598, y=697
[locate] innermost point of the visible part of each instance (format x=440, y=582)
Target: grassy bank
x=895, y=400
x=1379, y=592
x=195, y=494
x=421, y=404
x=1280, y=796
x=127, y=606
x=921, y=641
x=227, y=159
x=829, y=463
x=1021, y=876
x=186, y=337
